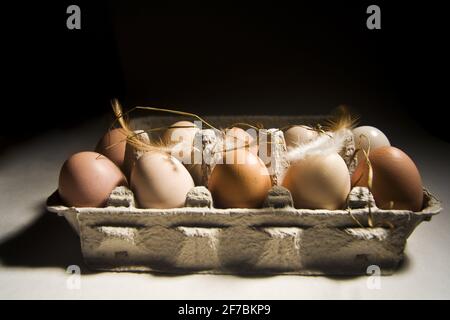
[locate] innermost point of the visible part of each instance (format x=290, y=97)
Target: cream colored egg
x=181, y=139
x=180, y=132
x=184, y=145
x=367, y=135
x=159, y=180
x=318, y=182
x=298, y=135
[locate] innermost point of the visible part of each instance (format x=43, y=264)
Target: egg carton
x=274, y=239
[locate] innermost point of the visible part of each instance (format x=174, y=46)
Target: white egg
x=367, y=135
x=186, y=146
x=159, y=180
x=298, y=135
x=318, y=182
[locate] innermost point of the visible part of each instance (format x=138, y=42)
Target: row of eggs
x=159, y=180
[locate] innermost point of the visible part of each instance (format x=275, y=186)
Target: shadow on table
x=403, y=267
x=48, y=242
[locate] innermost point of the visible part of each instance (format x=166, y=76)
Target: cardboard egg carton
x=274, y=239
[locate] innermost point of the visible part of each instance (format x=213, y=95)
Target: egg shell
x=185, y=151
x=298, y=135
x=112, y=145
x=318, y=182
x=396, y=182
x=181, y=140
x=185, y=135
x=159, y=180
x=366, y=135
x=87, y=179
x=241, y=182
x=238, y=138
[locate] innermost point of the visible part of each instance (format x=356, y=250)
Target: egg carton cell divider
x=274, y=239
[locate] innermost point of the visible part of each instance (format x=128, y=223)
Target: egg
x=318, y=182
x=238, y=138
x=396, y=182
x=87, y=179
x=159, y=180
x=112, y=145
x=297, y=135
x=366, y=135
x=183, y=131
x=185, y=151
x=241, y=181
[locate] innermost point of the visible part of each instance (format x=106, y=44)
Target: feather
x=324, y=144
x=342, y=118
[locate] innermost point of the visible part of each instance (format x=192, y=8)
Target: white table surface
x=36, y=247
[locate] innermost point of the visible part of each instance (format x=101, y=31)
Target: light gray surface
x=36, y=248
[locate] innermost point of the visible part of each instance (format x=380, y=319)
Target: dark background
x=262, y=58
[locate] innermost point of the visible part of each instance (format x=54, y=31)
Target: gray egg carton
x=274, y=239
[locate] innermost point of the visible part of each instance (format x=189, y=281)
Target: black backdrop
x=261, y=58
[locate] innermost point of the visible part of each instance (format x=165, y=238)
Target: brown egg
x=238, y=138
x=159, y=180
x=298, y=135
x=318, y=182
x=112, y=145
x=396, y=181
x=87, y=179
x=242, y=181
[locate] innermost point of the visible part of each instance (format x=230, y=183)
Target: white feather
x=324, y=144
